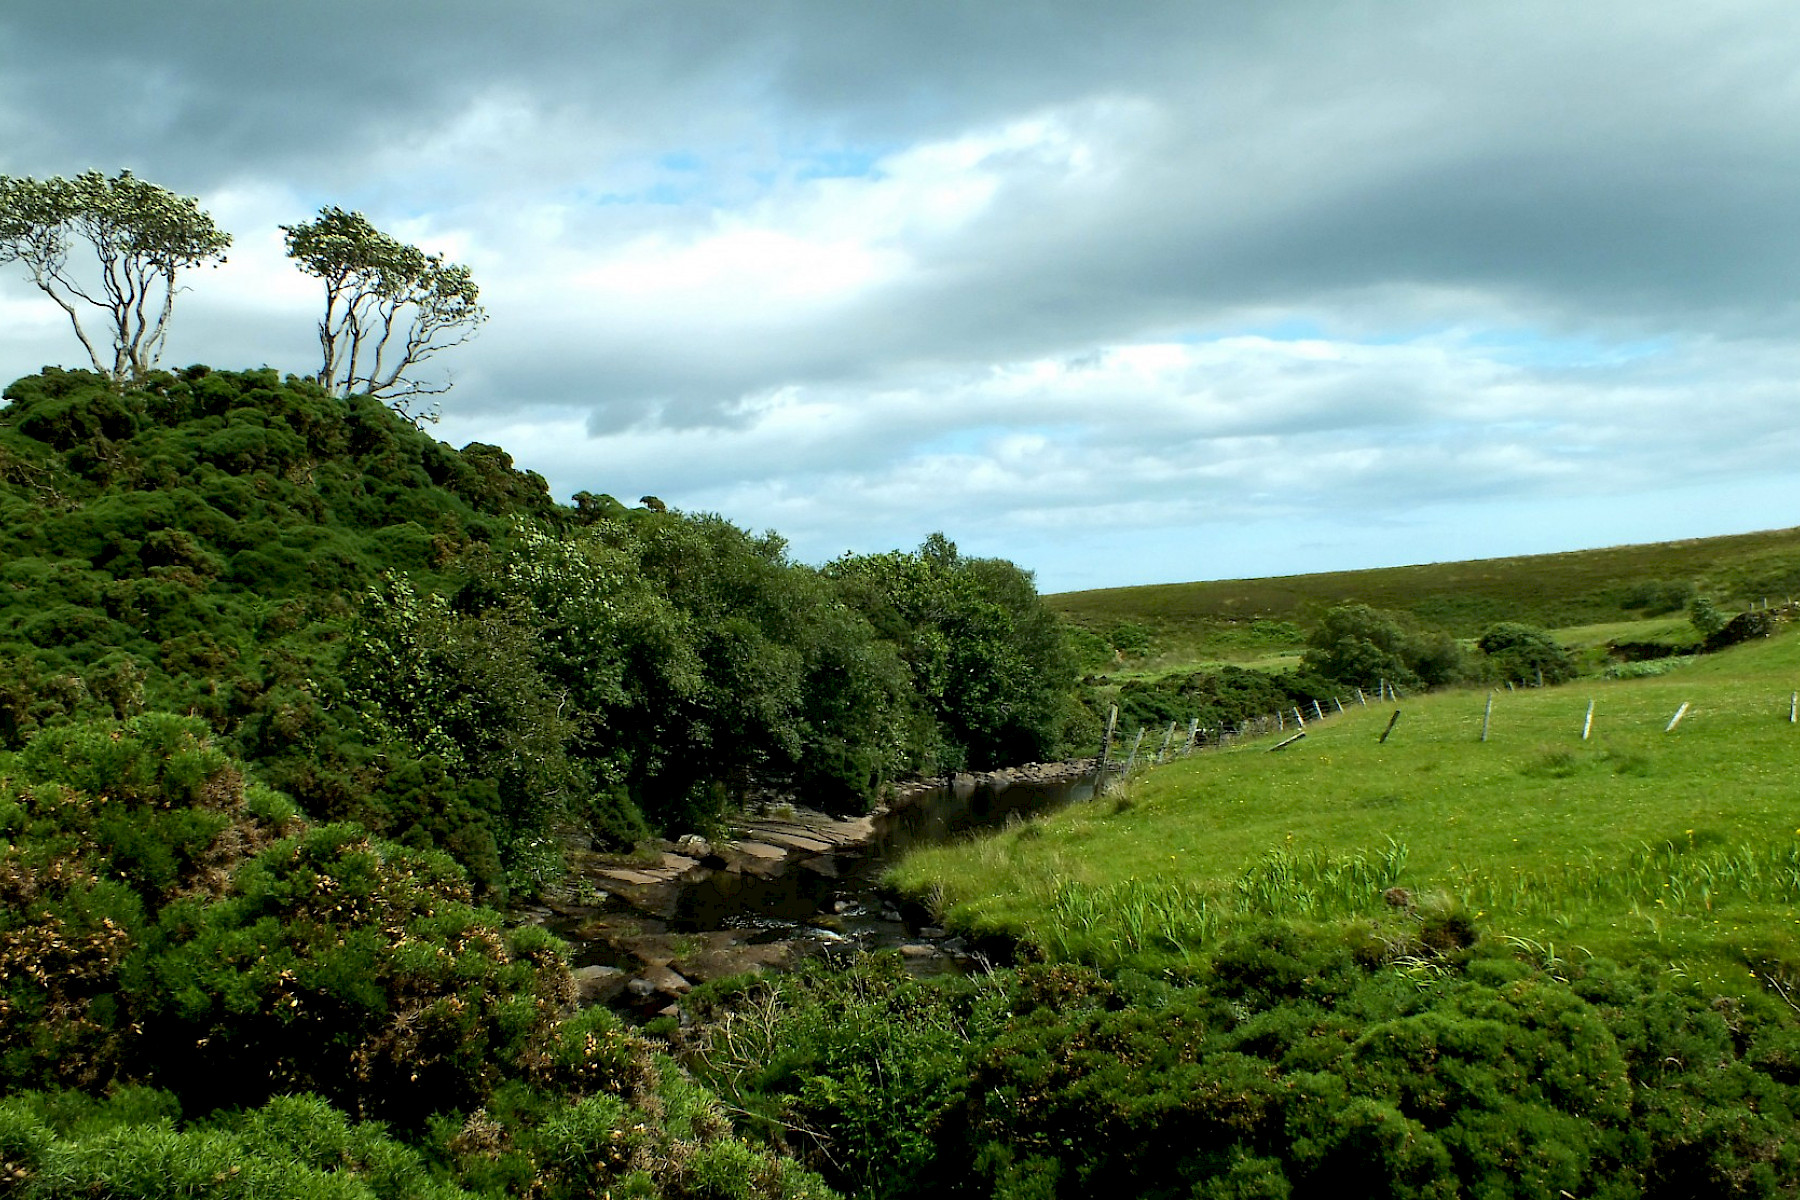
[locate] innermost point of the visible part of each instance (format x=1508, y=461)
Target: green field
x=1681, y=847
x=1215, y=620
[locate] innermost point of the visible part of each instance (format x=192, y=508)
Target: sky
x=1125, y=293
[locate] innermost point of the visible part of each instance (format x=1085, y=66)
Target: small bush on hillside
x=1360, y=646
x=1757, y=623
x=1705, y=616
x=1519, y=653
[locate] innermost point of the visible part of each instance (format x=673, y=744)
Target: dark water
x=845, y=888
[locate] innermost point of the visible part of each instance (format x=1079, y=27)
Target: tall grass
x=1111, y=922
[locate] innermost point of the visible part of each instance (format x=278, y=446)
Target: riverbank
x=781, y=883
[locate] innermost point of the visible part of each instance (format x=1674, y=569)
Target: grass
x=1551, y=590
x=1682, y=847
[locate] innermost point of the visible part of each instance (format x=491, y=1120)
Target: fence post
x=1676, y=719
x=1168, y=738
x=1131, y=761
x=1361, y=699
x=1317, y=711
x=1112, y=721
x=1794, y=709
x=1587, y=726
x=1298, y=719
x=1286, y=742
x=1338, y=702
x=1193, y=731
x=1487, y=717
x=1392, y=721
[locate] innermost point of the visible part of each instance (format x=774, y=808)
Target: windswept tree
x=388, y=307
x=141, y=235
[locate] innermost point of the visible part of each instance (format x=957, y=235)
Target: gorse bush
x=1286, y=1064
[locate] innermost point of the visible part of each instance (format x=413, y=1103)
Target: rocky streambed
x=783, y=883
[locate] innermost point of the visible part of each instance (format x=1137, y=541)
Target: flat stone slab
x=629, y=875
x=678, y=863
x=793, y=840
x=758, y=850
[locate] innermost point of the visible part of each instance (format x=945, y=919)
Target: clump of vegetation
x=1360, y=646
x=200, y=990
x=1524, y=654
x=417, y=639
x=1287, y=1062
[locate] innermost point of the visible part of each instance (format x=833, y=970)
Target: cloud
x=1048, y=271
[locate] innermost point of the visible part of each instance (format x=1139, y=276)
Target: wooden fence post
x=1794, y=709
x=1131, y=761
x=1168, y=739
x=1193, y=731
x=1587, y=726
x=1339, y=703
x=1487, y=717
x=1317, y=711
x=1392, y=721
x=1284, y=744
x=1298, y=719
x=1676, y=719
x=1112, y=722
x=1361, y=699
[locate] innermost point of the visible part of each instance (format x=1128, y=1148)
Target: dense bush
x=1220, y=699
x=1522, y=653
x=1293, y=1065
x=1757, y=623
x=1361, y=646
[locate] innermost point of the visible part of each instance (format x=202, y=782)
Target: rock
x=918, y=950
x=597, y=984
x=932, y=931
x=842, y=906
x=890, y=914
x=956, y=946
x=694, y=846
x=667, y=979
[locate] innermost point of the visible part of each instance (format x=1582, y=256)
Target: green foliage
x=1292, y=1064
x=987, y=660
x=1222, y=699
x=1361, y=646
x=1758, y=623
x=388, y=306
x=1706, y=617
x=1521, y=653
x=141, y=236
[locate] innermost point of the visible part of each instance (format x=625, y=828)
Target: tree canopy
x=141, y=236
x=389, y=306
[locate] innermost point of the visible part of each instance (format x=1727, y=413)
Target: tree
x=142, y=236
x=1360, y=645
x=388, y=307
x=1522, y=652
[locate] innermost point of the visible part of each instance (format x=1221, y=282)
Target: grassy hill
x=1680, y=847
x=1240, y=618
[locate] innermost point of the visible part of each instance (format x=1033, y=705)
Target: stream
x=787, y=884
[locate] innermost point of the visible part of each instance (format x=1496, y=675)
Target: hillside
x=1552, y=590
